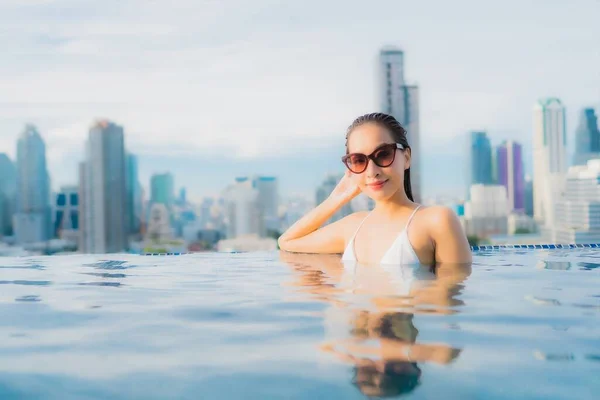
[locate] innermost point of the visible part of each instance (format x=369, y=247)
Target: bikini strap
x=411, y=217
x=361, y=224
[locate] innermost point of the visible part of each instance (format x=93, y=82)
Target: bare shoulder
x=439, y=218
x=356, y=218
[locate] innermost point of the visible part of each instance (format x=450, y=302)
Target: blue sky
x=210, y=89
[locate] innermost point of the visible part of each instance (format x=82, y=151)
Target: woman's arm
x=306, y=237
x=449, y=239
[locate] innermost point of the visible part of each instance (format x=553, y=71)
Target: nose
x=372, y=170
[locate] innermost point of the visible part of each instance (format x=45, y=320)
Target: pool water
x=517, y=324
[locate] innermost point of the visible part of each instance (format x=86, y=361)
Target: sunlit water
x=517, y=325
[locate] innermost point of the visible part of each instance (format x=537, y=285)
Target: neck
x=394, y=205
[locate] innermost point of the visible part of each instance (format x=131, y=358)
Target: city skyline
x=186, y=96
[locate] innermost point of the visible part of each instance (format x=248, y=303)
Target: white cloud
x=274, y=77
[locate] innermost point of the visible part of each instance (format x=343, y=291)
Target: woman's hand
x=345, y=190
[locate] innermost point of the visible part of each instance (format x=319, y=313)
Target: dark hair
x=397, y=132
x=397, y=378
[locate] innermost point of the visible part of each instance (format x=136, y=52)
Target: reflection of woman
x=389, y=366
x=365, y=327
x=378, y=160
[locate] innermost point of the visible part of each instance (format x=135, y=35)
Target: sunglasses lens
x=356, y=162
x=384, y=157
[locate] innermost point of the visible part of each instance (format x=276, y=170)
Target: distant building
x=486, y=213
x=481, y=159
x=402, y=102
x=162, y=189
x=134, y=196
x=8, y=188
x=66, y=214
x=323, y=192
x=103, y=206
x=550, y=158
x=511, y=174
x=528, y=197
x=268, y=203
x=242, y=209
x=578, y=213
x=159, y=226
x=521, y=223
x=32, y=220
x=587, y=138
x=182, y=200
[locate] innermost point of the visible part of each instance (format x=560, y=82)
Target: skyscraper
x=587, y=138
x=33, y=216
x=402, y=102
x=268, y=203
x=481, y=159
x=511, y=175
x=549, y=158
x=8, y=187
x=578, y=212
x=162, y=189
x=242, y=209
x=66, y=213
x=103, y=197
x=528, y=197
x=134, y=195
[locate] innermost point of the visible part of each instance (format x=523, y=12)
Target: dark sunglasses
x=383, y=157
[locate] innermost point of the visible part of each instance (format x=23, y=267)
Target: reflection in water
x=555, y=265
x=371, y=314
x=29, y=298
x=26, y=283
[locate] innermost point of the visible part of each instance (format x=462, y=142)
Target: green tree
x=474, y=240
x=522, y=231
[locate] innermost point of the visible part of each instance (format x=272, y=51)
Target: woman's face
x=379, y=183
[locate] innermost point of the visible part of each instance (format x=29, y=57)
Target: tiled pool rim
x=473, y=248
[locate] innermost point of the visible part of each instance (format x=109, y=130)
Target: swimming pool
x=519, y=324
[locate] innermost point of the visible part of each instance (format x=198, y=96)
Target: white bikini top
x=400, y=252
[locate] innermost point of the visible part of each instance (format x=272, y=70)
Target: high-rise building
x=32, y=221
x=528, y=197
x=549, y=158
x=159, y=225
x=486, y=213
x=134, y=195
x=162, y=189
x=481, y=159
x=103, y=191
x=242, y=209
x=182, y=200
x=268, y=203
x=323, y=192
x=509, y=159
x=66, y=213
x=578, y=213
x=8, y=188
x=587, y=138
x=402, y=102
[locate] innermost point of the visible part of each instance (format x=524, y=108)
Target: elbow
x=282, y=243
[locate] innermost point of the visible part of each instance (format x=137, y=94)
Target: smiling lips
x=376, y=185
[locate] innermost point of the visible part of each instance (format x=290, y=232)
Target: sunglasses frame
x=398, y=146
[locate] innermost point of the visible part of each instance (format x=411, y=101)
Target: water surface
x=520, y=324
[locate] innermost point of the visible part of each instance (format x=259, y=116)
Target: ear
x=407, y=158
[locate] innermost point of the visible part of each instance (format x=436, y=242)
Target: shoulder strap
x=359, y=225
x=411, y=217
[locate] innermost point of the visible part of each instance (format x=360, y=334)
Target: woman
x=378, y=160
